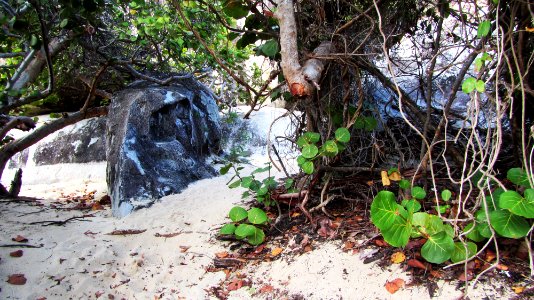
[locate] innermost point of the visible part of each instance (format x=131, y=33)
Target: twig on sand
x=126, y=231
x=20, y=246
x=61, y=223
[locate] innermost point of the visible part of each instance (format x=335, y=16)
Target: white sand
x=80, y=261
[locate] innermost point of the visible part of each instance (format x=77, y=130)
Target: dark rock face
x=157, y=142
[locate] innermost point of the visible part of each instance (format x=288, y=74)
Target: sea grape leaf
x=331, y=148
x=257, y=237
x=509, y=225
x=473, y=233
x=228, y=229
x=309, y=151
x=438, y=248
x=518, y=176
x=385, y=210
x=257, y=216
x=307, y=167
x=342, y=135
x=245, y=230
x=521, y=206
x=237, y=214
x=462, y=252
x=446, y=195
x=398, y=234
x=418, y=192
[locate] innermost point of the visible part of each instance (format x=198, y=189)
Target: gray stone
x=158, y=139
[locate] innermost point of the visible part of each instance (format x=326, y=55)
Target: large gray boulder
x=158, y=139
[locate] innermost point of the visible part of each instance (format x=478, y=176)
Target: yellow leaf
x=133, y=11
x=518, y=289
x=395, y=176
x=528, y=29
x=276, y=251
x=398, y=257
x=385, y=178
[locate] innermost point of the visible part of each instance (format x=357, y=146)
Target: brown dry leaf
x=463, y=277
x=97, y=206
x=528, y=29
x=266, y=289
x=184, y=249
x=348, y=245
x=370, y=183
x=308, y=248
x=436, y=274
x=414, y=263
x=490, y=255
x=16, y=279
x=502, y=267
x=221, y=254
x=385, y=178
x=17, y=253
x=295, y=214
x=518, y=289
x=19, y=239
x=395, y=176
x=259, y=249
x=398, y=257
x=235, y=284
x=167, y=235
x=381, y=243
x=393, y=286
x=126, y=231
x=227, y=273
x=276, y=251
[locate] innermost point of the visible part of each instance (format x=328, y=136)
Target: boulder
x=158, y=139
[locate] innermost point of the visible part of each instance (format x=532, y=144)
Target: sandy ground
x=80, y=260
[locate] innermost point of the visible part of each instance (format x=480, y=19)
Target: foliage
x=310, y=151
x=246, y=225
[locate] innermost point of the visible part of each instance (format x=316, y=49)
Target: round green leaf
x=438, y=248
x=257, y=216
x=235, y=9
x=370, y=123
x=461, y=252
x=483, y=28
x=342, y=135
x=270, y=48
x=509, y=225
x=385, y=210
x=521, y=206
x=309, y=151
x=237, y=214
x=359, y=123
x=469, y=85
x=312, y=137
x=473, y=233
x=228, y=229
x=480, y=86
x=307, y=167
x=330, y=147
x=404, y=184
x=245, y=230
x=418, y=192
x=301, y=160
x=446, y=195
x=518, y=176
x=246, y=181
x=398, y=234
x=411, y=205
x=257, y=237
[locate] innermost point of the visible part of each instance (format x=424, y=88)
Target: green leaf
x=483, y=28
x=461, y=252
x=398, y=234
x=228, y=229
x=418, y=192
x=262, y=191
x=469, y=85
x=312, y=137
x=309, y=151
x=442, y=208
x=261, y=170
x=370, y=123
x=518, y=176
x=234, y=184
x=342, y=135
x=392, y=170
x=509, y=225
x=521, y=206
x=385, y=210
x=64, y=23
x=257, y=237
x=246, y=181
x=307, y=167
x=301, y=160
x=359, y=123
x=330, y=147
x=289, y=183
x=245, y=230
x=237, y=214
x=257, y=216
x=438, y=248
x=473, y=233
x=225, y=169
x=480, y=86
x=270, y=48
x=446, y=195
x=411, y=205
x=404, y=184
x=235, y=9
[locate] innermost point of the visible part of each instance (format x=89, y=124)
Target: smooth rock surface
x=158, y=139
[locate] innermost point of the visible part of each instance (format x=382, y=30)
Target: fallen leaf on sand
x=17, y=253
x=126, y=231
x=167, y=235
x=490, y=255
x=414, y=263
x=502, y=267
x=235, y=284
x=381, y=243
x=276, y=251
x=16, y=279
x=465, y=277
x=266, y=289
x=385, y=178
x=518, y=289
x=19, y=239
x=184, y=248
x=221, y=254
x=97, y=206
x=395, y=176
x=398, y=257
x=98, y=294
x=348, y=245
x=393, y=286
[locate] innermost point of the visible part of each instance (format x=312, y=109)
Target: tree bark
x=301, y=80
